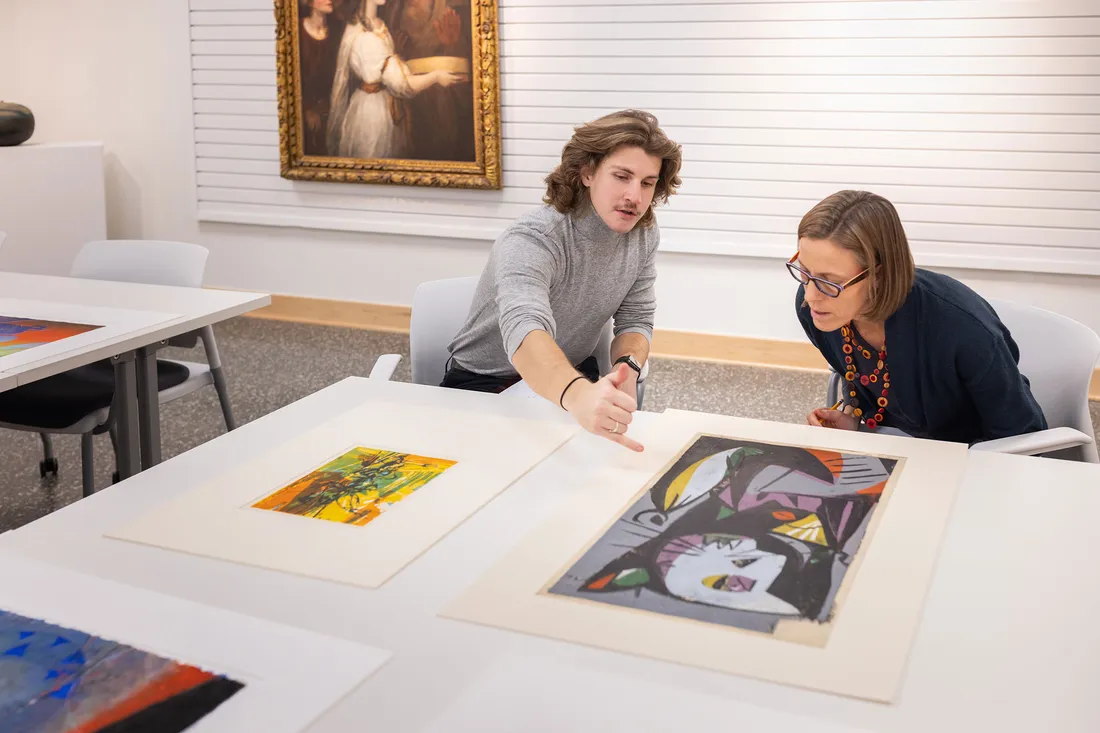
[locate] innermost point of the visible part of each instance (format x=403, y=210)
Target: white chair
x=150, y=262
x=439, y=309
x=154, y=262
x=1058, y=356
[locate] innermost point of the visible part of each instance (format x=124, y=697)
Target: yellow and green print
x=356, y=487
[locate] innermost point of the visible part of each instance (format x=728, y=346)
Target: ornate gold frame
x=485, y=172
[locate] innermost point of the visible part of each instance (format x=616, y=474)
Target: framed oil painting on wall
x=389, y=91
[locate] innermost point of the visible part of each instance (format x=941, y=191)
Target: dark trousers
x=458, y=378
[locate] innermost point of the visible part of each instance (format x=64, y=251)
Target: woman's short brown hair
x=594, y=141
x=868, y=226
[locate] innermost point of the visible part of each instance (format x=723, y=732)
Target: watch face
x=629, y=361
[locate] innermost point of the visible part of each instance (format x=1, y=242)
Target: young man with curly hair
x=557, y=274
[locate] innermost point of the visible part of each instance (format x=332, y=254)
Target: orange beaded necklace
x=851, y=373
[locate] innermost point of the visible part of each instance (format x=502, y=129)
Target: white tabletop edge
x=49, y=367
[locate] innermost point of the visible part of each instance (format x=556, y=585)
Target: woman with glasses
x=919, y=352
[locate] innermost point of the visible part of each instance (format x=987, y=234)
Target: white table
x=1008, y=642
x=522, y=389
x=133, y=352
x=8, y=381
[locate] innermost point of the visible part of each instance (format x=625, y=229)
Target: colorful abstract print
x=738, y=533
x=357, y=487
x=60, y=680
x=20, y=334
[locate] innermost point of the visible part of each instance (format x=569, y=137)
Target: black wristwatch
x=629, y=361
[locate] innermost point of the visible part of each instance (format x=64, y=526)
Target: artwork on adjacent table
x=60, y=680
x=398, y=92
x=737, y=533
x=357, y=487
x=20, y=334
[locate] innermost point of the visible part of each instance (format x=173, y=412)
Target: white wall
x=777, y=104
x=37, y=182
x=120, y=71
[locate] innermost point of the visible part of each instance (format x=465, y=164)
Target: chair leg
x=223, y=398
x=48, y=464
x=87, y=462
x=113, y=432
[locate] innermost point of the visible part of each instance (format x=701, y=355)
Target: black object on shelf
x=16, y=124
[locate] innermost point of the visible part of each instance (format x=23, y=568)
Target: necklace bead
x=851, y=372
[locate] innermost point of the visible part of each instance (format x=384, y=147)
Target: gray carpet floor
x=270, y=364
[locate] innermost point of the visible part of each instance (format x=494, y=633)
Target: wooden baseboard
x=737, y=349
x=666, y=343
x=346, y=313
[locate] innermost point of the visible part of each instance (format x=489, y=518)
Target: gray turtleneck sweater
x=565, y=274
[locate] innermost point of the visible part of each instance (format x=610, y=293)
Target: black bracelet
x=561, y=399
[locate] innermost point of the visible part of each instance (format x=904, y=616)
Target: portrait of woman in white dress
x=368, y=117
x=394, y=92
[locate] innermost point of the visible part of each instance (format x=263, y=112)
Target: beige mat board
x=218, y=519
x=878, y=608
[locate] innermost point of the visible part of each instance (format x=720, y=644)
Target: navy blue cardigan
x=954, y=371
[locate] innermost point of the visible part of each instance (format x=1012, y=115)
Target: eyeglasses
x=827, y=287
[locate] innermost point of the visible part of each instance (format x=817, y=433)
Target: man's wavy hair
x=594, y=141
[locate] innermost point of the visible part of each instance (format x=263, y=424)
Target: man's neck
x=591, y=226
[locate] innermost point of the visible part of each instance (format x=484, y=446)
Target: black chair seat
x=64, y=399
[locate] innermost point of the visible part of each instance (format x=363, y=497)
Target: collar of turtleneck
x=589, y=226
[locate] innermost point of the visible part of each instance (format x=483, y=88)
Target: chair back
x=147, y=261
x=1058, y=356
x=150, y=262
x=439, y=309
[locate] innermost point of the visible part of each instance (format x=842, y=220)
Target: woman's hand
x=836, y=419
x=602, y=408
x=448, y=27
x=313, y=120
x=447, y=78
